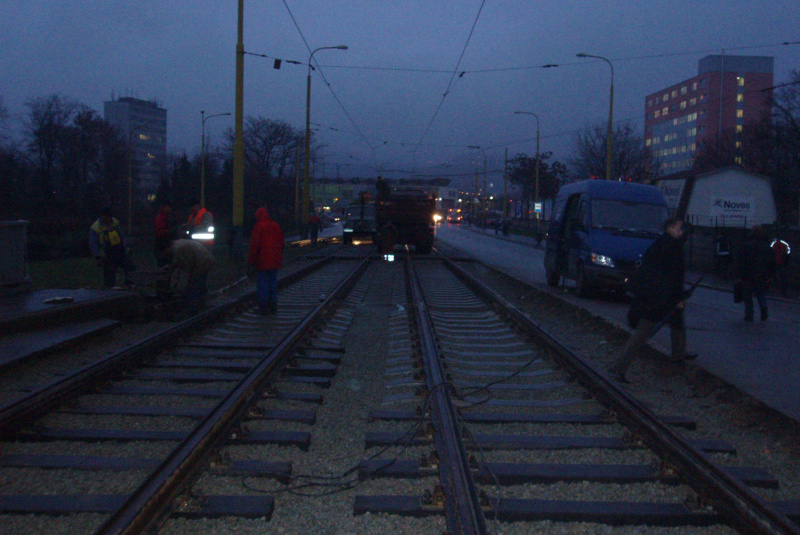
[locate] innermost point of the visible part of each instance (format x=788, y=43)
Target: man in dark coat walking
x=658, y=295
x=755, y=266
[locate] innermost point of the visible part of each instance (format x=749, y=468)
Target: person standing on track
x=266, y=256
x=658, y=295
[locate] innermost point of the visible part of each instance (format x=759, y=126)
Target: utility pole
x=236, y=231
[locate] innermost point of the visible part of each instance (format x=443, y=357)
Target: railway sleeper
x=299, y=439
x=195, y=507
x=530, y=442
x=519, y=474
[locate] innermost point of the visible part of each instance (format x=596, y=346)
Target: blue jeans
x=267, y=290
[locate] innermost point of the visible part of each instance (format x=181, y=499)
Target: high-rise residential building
x=727, y=93
x=144, y=124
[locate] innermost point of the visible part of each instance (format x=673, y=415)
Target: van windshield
x=628, y=216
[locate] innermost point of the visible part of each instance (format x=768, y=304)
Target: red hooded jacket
x=266, y=242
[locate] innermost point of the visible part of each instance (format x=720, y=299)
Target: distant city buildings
x=144, y=124
x=727, y=93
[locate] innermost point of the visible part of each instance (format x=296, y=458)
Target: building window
x=739, y=113
x=740, y=81
x=665, y=111
x=739, y=98
x=704, y=82
x=665, y=97
x=657, y=114
x=647, y=142
x=702, y=98
x=649, y=102
x=683, y=90
x=693, y=102
x=738, y=129
x=738, y=144
x=683, y=104
x=674, y=93
x=694, y=86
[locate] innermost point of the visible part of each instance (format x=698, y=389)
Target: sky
x=425, y=87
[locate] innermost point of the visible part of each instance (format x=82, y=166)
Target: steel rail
x=744, y=509
x=38, y=402
x=149, y=504
x=463, y=509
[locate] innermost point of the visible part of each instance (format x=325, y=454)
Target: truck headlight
x=602, y=260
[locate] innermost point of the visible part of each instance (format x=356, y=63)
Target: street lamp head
x=341, y=47
x=582, y=55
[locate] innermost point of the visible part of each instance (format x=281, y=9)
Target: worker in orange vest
x=201, y=225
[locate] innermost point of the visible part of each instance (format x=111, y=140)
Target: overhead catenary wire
x=330, y=88
x=452, y=76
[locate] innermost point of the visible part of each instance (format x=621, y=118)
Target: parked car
x=599, y=230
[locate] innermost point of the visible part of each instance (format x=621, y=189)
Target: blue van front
x=599, y=231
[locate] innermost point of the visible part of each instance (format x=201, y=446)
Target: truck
x=404, y=215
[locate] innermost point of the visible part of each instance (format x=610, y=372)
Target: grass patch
x=83, y=272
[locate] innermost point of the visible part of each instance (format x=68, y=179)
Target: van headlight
x=602, y=260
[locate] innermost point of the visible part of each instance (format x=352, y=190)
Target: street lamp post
x=536, y=191
x=610, y=111
x=130, y=174
x=203, y=155
x=304, y=207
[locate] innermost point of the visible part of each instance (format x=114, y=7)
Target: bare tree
x=522, y=173
x=47, y=121
x=630, y=159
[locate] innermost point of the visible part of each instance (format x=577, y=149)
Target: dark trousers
x=114, y=261
x=750, y=290
x=267, y=290
x=644, y=330
x=196, y=290
x=782, y=273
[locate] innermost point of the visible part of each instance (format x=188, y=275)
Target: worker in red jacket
x=266, y=256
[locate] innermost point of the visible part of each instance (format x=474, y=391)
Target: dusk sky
x=384, y=110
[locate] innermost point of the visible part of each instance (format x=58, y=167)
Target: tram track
x=406, y=397
x=159, y=408
x=457, y=326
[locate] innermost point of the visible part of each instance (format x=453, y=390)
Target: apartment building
x=144, y=124
x=727, y=93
